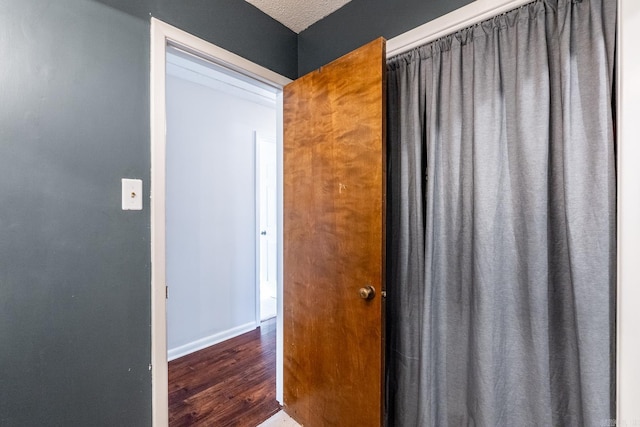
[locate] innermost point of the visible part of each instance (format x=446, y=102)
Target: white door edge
x=265, y=145
x=628, y=129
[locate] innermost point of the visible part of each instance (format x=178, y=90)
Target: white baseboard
x=183, y=350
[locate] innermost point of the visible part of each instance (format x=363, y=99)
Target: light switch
x=131, y=194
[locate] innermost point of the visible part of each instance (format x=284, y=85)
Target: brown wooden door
x=334, y=196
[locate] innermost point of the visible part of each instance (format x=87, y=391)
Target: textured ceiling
x=298, y=14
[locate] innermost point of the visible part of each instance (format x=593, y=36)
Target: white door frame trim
x=628, y=147
x=628, y=128
x=163, y=35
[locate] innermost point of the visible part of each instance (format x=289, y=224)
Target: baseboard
x=205, y=342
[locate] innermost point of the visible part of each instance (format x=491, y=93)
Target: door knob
x=263, y=233
x=368, y=292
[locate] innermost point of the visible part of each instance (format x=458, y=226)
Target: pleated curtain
x=501, y=222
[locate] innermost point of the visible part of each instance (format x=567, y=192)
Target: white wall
x=211, y=222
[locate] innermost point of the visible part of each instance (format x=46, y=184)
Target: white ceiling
x=298, y=14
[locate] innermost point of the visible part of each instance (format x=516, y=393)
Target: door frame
x=162, y=36
x=628, y=127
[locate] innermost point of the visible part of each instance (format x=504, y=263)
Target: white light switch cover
x=131, y=194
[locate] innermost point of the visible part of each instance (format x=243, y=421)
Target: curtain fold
x=501, y=222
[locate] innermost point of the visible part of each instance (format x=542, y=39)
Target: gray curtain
x=501, y=222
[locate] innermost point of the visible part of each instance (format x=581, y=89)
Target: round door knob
x=368, y=292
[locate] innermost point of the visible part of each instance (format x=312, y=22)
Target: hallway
x=228, y=384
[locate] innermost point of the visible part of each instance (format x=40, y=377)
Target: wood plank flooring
x=228, y=384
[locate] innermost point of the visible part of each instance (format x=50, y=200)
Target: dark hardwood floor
x=229, y=384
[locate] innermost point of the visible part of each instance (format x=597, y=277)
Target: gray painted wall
x=234, y=25
x=361, y=21
x=74, y=267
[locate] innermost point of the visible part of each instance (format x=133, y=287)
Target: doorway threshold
x=280, y=419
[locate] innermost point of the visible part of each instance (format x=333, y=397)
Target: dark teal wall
x=234, y=25
x=361, y=21
x=74, y=268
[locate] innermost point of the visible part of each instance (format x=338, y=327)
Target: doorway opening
x=220, y=186
x=216, y=124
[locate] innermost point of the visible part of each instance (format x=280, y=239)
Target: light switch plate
x=131, y=194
